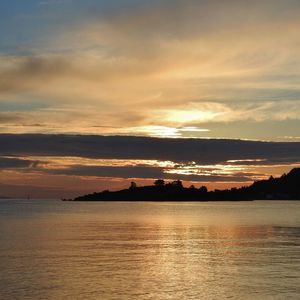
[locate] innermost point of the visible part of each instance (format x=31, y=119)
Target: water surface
x=102, y=250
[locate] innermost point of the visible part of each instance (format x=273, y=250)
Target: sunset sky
x=99, y=93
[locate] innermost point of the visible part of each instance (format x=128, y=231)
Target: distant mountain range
x=286, y=187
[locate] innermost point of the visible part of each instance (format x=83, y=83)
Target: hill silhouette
x=286, y=187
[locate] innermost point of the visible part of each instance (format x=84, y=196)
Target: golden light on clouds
x=164, y=69
x=157, y=67
x=190, y=116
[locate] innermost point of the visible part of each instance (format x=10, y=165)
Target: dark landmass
x=4, y=197
x=286, y=187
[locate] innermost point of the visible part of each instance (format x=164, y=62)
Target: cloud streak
x=90, y=75
x=200, y=151
x=29, y=159
x=133, y=66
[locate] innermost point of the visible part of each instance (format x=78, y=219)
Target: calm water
x=65, y=250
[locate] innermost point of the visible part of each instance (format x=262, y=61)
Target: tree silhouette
x=159, y=182
x=177, y=183
x=132, y=185
x=203, y=189
x=285, y=187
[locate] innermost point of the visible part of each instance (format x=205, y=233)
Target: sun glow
x=190, y=116
x=165, y=131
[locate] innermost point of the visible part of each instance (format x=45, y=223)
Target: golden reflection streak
x=196, y=249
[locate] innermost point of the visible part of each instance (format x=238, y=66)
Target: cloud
x=168, y=64
x=16, y=163
x=22, y=73
x=200, y=151
x=194, y=68
x=119, y=172
x=54, y=2
x=76, y=164
x=145, y=173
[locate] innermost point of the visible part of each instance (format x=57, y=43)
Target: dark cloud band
x=201, y=151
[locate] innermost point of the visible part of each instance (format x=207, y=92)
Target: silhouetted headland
x=286, y=187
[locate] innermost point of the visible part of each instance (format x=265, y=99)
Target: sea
x=51, y=249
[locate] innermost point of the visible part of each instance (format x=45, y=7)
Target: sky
x=192, y=73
